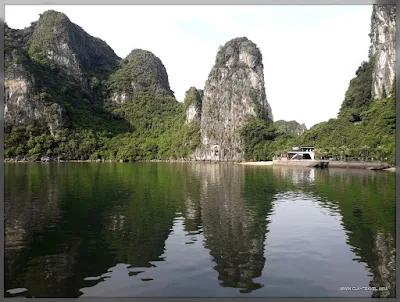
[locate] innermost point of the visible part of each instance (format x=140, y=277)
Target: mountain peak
x=69, y=46
x=239, y=51
x=53, y=16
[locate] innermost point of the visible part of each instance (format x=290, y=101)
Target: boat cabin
x=299, y=153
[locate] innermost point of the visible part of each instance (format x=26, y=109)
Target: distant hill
x=290, y=127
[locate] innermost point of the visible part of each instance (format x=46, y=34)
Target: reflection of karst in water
x=364, y=213
x=385, y=269
x=368, y=216
x=192, y=207
x=297, y=175
x=29, y=212
x=234, y=230
x=192, y=214
x=21, y=218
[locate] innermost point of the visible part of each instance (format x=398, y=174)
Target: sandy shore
x=257, y=163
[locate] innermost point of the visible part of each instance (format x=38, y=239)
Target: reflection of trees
x=293, y=177
x=143, y=199
x=234, y=227
x=191, y=187
x=32, y=203
x=64, y=224
x=366, y=201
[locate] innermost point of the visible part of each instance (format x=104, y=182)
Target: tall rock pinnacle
x=234, y=91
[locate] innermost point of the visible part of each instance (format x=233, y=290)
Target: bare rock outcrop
x=383, y=49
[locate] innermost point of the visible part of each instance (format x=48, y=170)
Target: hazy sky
x=310, y=53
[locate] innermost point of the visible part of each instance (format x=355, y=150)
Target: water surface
x=197, y=230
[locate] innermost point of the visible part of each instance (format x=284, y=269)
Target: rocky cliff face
x=234, y=91
x=22, y=103
x=141, y=72
x=67, y=45
x=51, y=60
x=383, y=49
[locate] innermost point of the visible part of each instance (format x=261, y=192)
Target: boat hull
x=300, y=163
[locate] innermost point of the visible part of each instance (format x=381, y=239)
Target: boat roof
x=298, y=152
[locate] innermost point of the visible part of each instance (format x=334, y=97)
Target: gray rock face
x=233, y=92
x=22, y=105
x=31, y=53
x=383, y=47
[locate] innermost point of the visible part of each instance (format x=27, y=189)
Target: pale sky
x=310, y=53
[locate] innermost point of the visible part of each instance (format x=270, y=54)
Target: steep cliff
x=23, y=102
x=234, y=92
x=54, y=90
x=53, y=70
x=383, y=49
x=56, y=39
x=140, y=73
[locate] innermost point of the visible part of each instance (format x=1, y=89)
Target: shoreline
x=256, y=163
x=339, y=164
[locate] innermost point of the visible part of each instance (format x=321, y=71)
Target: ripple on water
x=135, y=273
x=93, y=278
x=15, y=291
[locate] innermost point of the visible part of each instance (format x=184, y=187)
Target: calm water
x=197, y=230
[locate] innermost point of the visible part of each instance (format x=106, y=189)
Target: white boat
x=300, y=156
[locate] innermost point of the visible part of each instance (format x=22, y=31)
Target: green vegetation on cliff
x=359, y=94
x=364, y=128
x=257, y=139
x=148, y=126
x=141, y=71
